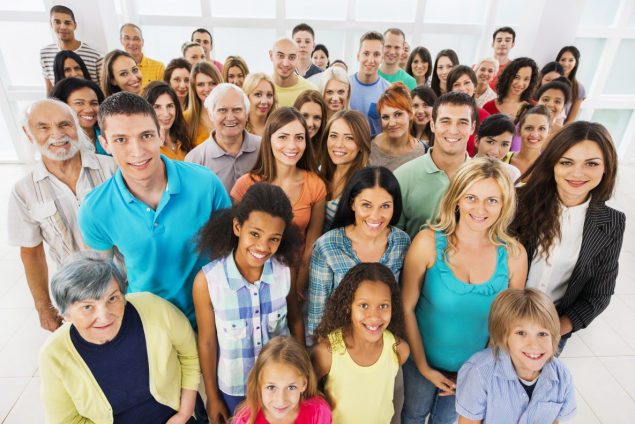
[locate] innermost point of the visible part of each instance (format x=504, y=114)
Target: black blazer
x=592, y=281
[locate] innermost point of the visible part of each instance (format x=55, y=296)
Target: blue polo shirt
x=158, y=246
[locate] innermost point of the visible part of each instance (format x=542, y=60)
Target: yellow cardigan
x=71, y=393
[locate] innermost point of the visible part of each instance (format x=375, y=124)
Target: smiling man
x=152, y=208
x=132, y=41
x=230, y=151
x=424, y=180
x=43, y=205
x=289, y=85
x=394, y=42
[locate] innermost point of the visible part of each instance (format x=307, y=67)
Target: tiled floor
x=601, y=358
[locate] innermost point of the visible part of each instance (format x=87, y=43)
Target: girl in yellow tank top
x=360, y=346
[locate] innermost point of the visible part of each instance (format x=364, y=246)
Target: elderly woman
x=117, y=358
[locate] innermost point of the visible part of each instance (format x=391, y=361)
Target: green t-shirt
x=402, y=76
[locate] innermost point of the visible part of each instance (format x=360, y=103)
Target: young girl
x=282, y=388
x=533, y=129
x=517, y=379
x=361, y=346
x=245, y=295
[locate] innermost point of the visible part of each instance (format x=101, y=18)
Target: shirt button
x=156, y=224
x=257, y=311
x=258, y=343
x=257, y=328
x=147, y=209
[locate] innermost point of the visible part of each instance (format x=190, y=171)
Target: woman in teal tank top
x=452, y=273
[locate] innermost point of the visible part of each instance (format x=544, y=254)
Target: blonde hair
x=281, y=350
x=513, y=306
x=195, y=106
x=250, y=84
x=491, y=60
x=235, y=61
x=337, y=74
x=473, y=171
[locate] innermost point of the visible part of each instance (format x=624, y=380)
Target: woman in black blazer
x=573, y=240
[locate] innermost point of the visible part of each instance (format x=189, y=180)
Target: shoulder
x=56, y=346
x=410, y=170
x=482, y=362
x=316, y=404
x=399, y=235
x=148, y=303
x=102, y=193
x=23, y=186
x=561, y=372
x=315, y=184
x=106, y=163
x=425, y=240
x=332, y=239
x=196, y=155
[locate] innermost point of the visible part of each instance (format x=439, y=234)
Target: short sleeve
x=220, y=199
x=471, y=395
x=93, y=233
x=23, y=229
x=317, y=188
x=581, y=92
x=240, y=188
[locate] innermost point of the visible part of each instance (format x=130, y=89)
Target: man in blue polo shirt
x=152, y=208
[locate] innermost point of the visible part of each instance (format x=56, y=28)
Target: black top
x=121, y=369
x=529, y=388
x=312, y=71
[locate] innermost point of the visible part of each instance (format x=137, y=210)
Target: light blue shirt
x=159, y=246
x=364, y=98
x=488, y=389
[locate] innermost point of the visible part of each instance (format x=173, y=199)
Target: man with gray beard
x=43, y=205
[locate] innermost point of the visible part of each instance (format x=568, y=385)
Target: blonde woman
x=204, y=78
x=261, y=91
x=451, y=275
x=235, y=70
x=336, y=91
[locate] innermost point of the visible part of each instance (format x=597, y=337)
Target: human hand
x=217, y=411
x=178, y=418
x=50, y=320
x=441, y=382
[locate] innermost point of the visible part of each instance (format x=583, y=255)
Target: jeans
x=232, y=402
x=422, y=399
x=563, y=342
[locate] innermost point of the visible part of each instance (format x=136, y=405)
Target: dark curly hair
x=509, y=73
x=337, y=313
x=217, y=239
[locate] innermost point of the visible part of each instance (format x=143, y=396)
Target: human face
x=419, y=67
x=480, y=205
x=133, y=141
x=235, y=76
x=520, y=82
x=341, y=143
x=394, y=122
x=452, y=128
x=534, y=131
x=373, y=208
x=165, y=109
x=288, y=144
x=84, y=102
x=485, y=72
x=229, y=116
x=281, y=390
x=132, y=41
x=126, y=74
x=371, y=310
x=72, y=69
x=579, y=170
x=194, y=54
x=404, y=54
x=284, y=57
x=312, y=113
x=393, y=47
x=261, y=99
x=320, y=59
x=550, y=76
x=64, y=26
x=530, y=346
x=369, y=57
x=53, y=132
x=444, y=66
x=180, y=82
x=422, y=111
x=305, y=43
x=495, y=146
x=336, y=95
x=204, y=85
x=567, y=60
x=258, y=239
x=204, y=40
x=98, y=320
x=503, y=43
x=553, y=99
x=464, y=85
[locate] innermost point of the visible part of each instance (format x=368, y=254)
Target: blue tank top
x=451, y=314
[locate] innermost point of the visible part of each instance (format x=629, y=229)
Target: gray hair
x=491, y=60
x=131, y=25
x=220, y=91
x=29, y=110
x=86, y=276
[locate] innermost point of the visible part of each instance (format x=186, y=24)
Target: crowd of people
x=415, y=240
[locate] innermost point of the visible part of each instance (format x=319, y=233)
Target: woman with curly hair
x=361, y=346
x=453, y=271
x=514, y=87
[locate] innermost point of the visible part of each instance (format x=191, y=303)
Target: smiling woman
x=120, y=73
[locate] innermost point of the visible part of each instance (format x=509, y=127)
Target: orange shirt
x=177, y=154
x=203, y=132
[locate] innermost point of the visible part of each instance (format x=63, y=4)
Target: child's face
x=529, y=346
x=281, y=389
x=371, y=310
x=258, y=238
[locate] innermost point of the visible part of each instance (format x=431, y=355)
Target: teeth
x=336, y=153
x=373, y=226
x=139, y=163
x=290, y=155
x=257, y=255
x=534, y=356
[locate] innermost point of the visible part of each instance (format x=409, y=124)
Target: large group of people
x=414, y=240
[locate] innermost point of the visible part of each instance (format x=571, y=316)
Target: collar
x=235, y=279
x=363, y=83
x=428, y=164
x=88, y=159
x=504, y=368
x=248, y=145
x=173, y=185
x=577, y=211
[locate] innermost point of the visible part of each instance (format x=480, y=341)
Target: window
x=615, y=120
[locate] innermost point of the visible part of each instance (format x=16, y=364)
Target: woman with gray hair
x=118, y=358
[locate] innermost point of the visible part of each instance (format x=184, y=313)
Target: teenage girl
x=282, y=388
x=533, y=129
x=245, y=295
x=361, y=346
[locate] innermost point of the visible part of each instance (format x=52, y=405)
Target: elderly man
x=132, y=41
x=289, y=85
x=230, y=151
x=43, y=205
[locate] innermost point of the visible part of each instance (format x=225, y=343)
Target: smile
x=534, y=357
x=258, y=255
x=478, y=219
x=576, y=183
x=373, y=226
x=139, y=164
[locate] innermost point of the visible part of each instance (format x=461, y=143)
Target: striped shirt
x=488, y=389
x=333, y=256
x=91, y=57
x=331, y=208
x=247, y=316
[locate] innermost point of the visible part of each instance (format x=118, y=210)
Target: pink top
x=312, y=411
x=471, y=147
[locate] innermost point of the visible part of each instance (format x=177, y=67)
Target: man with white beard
x=43, y=205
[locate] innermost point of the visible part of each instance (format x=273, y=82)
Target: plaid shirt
x=247, y=316
x=333, y=256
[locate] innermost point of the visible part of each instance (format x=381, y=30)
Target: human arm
x=207, y=349
x=463, y=420
x=471, y=391
x=403, y=351
x=188, y=400
x=36, y=272
x=321, y=359
x=48, y=84
x=314, y=230
x=573, y=112
x=517, y=267
x=294, y=316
